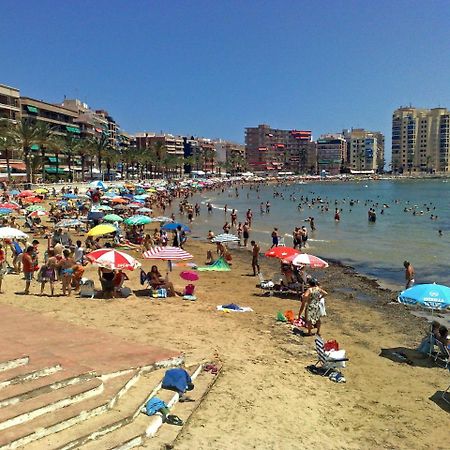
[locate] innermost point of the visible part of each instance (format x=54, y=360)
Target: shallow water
x=374, y=249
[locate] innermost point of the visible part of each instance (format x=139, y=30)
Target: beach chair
x=281, y=242
x=329, y=361
x=443, y=354
x=87, y=288
x=265, y=285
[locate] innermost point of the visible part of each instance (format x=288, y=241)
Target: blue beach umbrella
x=14, y=192
x=5, y=211
x=98, y=184
x=431, y=296
x=173, y=226
x=70, y=196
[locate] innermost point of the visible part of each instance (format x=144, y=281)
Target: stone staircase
x=48, y=403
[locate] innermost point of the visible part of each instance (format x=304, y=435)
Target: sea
x=409, y=212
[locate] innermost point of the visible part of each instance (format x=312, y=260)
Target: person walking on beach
x=28, y=268
x=249, y=216
x=409, y=274
x=3, y=266
x=275, y=238
x=311, y=305
x=255, y=254
x=233, y=218
x=245, y=233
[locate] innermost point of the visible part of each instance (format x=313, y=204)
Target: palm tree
x=71, y=146
x=100, y=146
x=5, y=143
x=26, y=133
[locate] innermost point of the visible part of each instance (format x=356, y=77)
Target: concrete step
x=13, y=363
x=137, y=432
x=51, y=401
x=16, y=393
x=36, y=368
x=61, y=419
x=123, y=413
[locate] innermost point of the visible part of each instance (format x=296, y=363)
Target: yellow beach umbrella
x=41, y=191
x=99, y=230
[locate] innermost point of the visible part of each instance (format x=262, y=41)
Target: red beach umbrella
x=32, y=200
x=113, y=259
x=9, y=205
x=26, y=194
x=189, y=275
x=281, y=252
x=303, y=259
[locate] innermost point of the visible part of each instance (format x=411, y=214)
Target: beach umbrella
x=12, y=233
x=153, y=251
x=70, y=196
x=303, y=259
x=120, y=200
x=113, y=259
x=281, y=252
x=144, y=210
x=95, y=215
x=5, y=211
x=38, y=213
x=226, y=238
x=32, y=200
x=189, y=275
x=431, y=296
x=113, y=218
x=68, y=223
x=102, y=229
x=138, y=220
x=14, y=192
x=169, y=254
x=102, y=208
x=173, y=226
x=9, y=205
x=162, y=219
x=41, y=191
x=134, y=205
x=98, y=184
x=35, y=208
x=25, y=194
x=141, y=196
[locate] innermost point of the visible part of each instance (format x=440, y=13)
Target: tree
x=26, y=133
x=71, y=146
x=100, y=146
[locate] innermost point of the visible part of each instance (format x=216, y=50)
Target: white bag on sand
x=323, y=311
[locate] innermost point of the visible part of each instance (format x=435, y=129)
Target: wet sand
x=265, y=398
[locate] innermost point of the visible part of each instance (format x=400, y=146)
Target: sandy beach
x=265, y=398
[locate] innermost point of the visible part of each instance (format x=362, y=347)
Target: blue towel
x=154, y=405
x=232, y=306
x=176, y=379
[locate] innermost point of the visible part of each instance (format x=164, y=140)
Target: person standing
x=255, y=255
x=275, y=238
x=245, y=233
x=3, y=266
x=28, y=267
x=409, y=274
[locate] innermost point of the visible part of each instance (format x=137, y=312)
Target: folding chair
x=329, y=360
x=87, y=288
x=443, y=354
x=265, y=285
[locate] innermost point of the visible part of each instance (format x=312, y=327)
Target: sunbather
x=157, y=281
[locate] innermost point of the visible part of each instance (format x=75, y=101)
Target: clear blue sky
x=213, y=67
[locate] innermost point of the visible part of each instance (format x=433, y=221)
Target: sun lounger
x=331, y=360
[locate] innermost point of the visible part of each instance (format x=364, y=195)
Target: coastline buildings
x=273, y=150
x=9, y=103
x=230, y=156
x=331, y=153
x=420, y=140
x=365, y=150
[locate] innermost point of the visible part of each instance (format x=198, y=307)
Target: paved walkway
x=26, y=333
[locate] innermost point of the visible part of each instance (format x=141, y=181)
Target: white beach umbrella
x=224, y=237
x=12, y=233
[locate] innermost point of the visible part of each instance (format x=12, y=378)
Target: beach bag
x=331, y=345
x=189, y=289
x=280, y=317
x=155, y=405
x=323, y=311
x=162, y=293
x=289, y=316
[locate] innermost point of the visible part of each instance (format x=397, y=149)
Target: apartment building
x=331, y=153
x=230, y=155
x=420, y=140
x=200, y=154
x=365, y=150
x=173, y=144
x=9, y=103
x=271, y=149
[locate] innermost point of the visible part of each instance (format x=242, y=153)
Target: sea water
x=375, y=249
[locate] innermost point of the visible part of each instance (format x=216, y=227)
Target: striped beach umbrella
x=152, y=251
x=113, y=259
x=10, y=205
x=35, y=208
x=281, y=252
x=303, y=259
x=38, y=213
x=225, y=238
x=169, y=254
x=68, y=223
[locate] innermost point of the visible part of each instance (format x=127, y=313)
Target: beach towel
x=155, y=405
x=234, y=308
x=219, y=266
x=177, y=380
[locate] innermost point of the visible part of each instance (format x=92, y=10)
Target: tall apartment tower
x=365, y=150
x=420, y=140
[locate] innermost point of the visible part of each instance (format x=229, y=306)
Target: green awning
x=32, y=109
x=73, y=130
x=54, y=171
x=53, y=159
x=34, y=147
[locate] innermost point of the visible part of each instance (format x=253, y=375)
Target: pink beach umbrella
x=113, y=259
x=189, y=275
x=168, y=254
x=303, y=259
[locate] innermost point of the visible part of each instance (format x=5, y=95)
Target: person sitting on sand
x=427, y=344
x=157, y=281
x=106, y=277
x=311, y=305
x=119, y=278
x=209, y=258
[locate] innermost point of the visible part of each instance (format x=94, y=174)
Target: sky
x=212, y=68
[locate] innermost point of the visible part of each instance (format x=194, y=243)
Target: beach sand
x=264, y=398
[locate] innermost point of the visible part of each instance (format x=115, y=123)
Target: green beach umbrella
x=113, y=218
x=35, y=208
x=138, y=220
